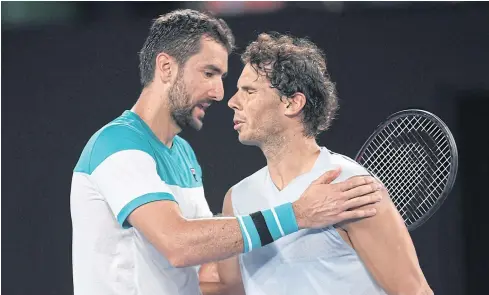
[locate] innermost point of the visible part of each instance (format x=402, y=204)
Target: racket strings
x=411, y=173
x=423, y=204
x=421, y=163
x=410, y=150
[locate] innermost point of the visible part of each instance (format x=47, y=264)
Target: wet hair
x=178, y=34
x=293, y=65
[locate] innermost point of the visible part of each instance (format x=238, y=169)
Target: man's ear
x=294, y=104
x=166, y=68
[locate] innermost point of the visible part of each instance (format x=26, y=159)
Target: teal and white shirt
x=123, y=166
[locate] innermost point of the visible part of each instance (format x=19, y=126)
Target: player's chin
x=246, y=140
x=196, y=123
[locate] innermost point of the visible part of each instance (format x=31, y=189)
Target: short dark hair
x=296, y=65
x=178, y=33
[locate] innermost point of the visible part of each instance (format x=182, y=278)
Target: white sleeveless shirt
x=310, y=261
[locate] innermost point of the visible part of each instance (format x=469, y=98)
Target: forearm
x=192, y=242
x=203, y=240
x=187, y=242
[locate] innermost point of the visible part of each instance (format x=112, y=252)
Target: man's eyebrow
x=216, y=70
x=245, y=87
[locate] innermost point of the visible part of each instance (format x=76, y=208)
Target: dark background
x=65, y=77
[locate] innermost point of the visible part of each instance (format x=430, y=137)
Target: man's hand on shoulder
x=325, y=203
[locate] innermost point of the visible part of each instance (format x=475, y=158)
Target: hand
x=324, y=204
x=208, y=273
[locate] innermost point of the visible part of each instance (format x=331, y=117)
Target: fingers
x=329, y=176
x=354, y=182
x=356, y=214
x=362, y=201
x=362, y=190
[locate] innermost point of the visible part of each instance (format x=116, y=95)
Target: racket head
x=419, y=139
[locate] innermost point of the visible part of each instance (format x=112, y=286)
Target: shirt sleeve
x=203, y=210
x=350, y=168
x=124, y=170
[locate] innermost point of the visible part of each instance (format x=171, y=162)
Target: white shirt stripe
x=248, y=238
x=277, y=221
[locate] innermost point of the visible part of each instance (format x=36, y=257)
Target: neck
x=289, y=156
x=153, y=108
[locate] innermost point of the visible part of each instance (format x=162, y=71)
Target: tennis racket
x=415, y=156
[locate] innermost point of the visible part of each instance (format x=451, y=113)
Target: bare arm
x=385, y=246
x=125, y=173
x=187, y=242
x=192, y=242
x=229, y=271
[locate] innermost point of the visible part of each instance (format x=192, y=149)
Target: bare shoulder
x=349, y=168
x=387, y=214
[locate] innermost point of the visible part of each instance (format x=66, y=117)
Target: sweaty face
x=258, y=110
x=181, y=106
x=199, y=83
